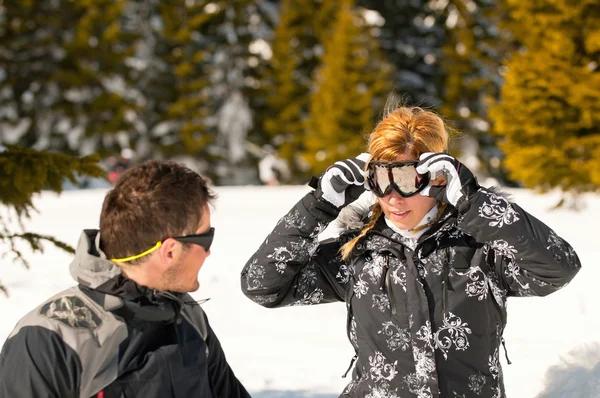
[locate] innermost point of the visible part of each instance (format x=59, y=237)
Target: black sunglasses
x=402, y=177
x=204, y=239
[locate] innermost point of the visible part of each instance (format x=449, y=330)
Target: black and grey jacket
x=425, y=321
x=109, y=337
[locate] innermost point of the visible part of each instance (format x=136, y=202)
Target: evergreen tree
x=475, y=47
x=62, y=65
x=170, y=76
x=288, y=80
x=548, y=117
x=24, y=173
x=412, y=37
x=194, y=65
x=352, y=81
x=231, y=67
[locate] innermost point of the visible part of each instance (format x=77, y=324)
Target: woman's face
x=405, y=213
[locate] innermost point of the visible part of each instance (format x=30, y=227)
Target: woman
x=425, y=279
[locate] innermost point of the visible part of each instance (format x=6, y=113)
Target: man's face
x=182, y=276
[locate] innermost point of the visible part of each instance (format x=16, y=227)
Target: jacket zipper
x=350, y=367
x=505, y=351
x=349, y=328
x=386, y=285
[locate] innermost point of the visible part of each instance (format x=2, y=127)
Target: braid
x=347, y=248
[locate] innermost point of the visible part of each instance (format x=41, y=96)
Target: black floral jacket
x=427, y=320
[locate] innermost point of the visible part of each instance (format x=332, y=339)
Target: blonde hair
x=409, y=131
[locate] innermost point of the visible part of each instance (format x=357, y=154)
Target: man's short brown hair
x=152, y=202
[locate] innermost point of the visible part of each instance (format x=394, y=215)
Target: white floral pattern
x=292, y=220
x=560, y=248
x=477, y=285
x=382, y=391
x=395, y=337
x=343, y=274
x=281, y=255
x=435, y=262
x=381, y=302
x=452, y=333
x=380, y=369
x=494, y=365
x=360, y=288
x=476, y=383
x=398, y=274
x=256, y=272
x=374, y=268
x=314, y=297
x=307, y=279
x=499, y=210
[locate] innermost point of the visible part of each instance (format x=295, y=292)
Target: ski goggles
x=203, y=240
x=402, y=177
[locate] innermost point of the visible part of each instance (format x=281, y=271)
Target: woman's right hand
x=344, y=181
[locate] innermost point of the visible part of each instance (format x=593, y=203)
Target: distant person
x=424, y=276
x=118, y=165
x=129, y=328
x=271, y=168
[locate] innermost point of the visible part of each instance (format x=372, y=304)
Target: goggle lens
x=399, y=176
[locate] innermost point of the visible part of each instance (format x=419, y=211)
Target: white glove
x=461, y=184
x=344, y=181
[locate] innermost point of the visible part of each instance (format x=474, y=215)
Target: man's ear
x=170, y=251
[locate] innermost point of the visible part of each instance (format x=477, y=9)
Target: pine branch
x=25, y=171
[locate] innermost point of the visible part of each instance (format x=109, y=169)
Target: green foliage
x=173, y=78
x=299, y=38
x=412, y=35
x=352, y=82
x=61, y=60
x=549, y=114
x=288, y=78
x=475, y=48
x=24, y=173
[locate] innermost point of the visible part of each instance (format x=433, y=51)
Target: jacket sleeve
x=530, y=258
x=35, y=362
x=223, y=381
x=291, y=267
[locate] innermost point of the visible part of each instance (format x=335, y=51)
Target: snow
x=303, y=351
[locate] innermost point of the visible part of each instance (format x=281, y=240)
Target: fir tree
x=412, y=37
x=476, y=45
x=170, y=77
x=24, y=173
x=352, y=80
x=288, y=79
x=231, y=67
x=548, y=117
x=63, y=64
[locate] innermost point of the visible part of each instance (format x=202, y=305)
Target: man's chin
x=185, y=289
x=193, y=288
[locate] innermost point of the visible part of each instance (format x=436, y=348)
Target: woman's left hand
x=460, y=184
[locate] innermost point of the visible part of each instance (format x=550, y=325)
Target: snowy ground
x=302, y=352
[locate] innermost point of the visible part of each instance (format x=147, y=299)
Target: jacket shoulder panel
x=91, y=332
x=72, y=311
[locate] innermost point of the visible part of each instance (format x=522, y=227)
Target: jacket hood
x=90, y=267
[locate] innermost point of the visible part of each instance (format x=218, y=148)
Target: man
x=129, y=329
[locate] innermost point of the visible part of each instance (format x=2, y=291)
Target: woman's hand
x=450, y=180
x=344, y=181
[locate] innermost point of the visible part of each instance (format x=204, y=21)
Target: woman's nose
x=394, y=197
